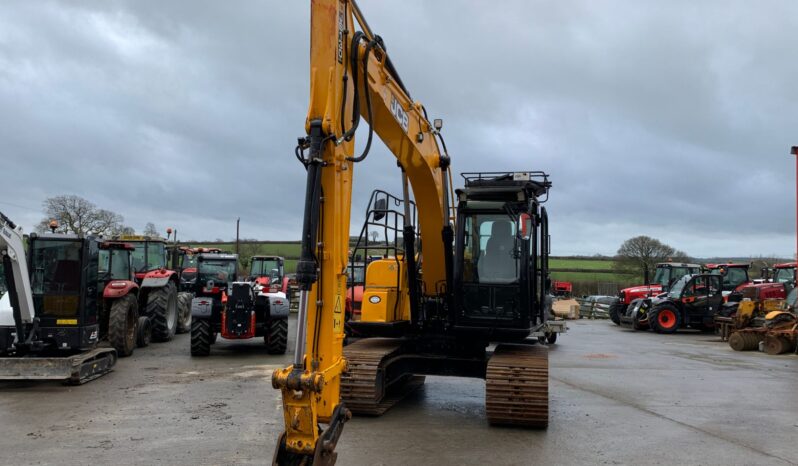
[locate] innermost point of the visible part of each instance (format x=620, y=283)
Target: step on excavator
x=463, y=291
x=79, y=293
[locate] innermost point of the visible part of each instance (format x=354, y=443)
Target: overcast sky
x=671, y=119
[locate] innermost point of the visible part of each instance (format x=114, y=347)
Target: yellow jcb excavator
x=462, y=279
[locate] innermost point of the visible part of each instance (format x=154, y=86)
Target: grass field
x=569, y=263
x=291, y=250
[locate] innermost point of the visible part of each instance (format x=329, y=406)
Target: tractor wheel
x=122, y=322
x=201, y=337
x=617, y=309
x=665, y=318
x=277, y=338
x=162, y=311
x=144, y=332
x=184, y=312
x=551, y=338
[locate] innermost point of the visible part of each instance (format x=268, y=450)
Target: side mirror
x=380, y=206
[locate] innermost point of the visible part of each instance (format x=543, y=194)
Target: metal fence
x=595, y=307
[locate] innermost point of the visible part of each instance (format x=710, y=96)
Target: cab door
x=702, y=298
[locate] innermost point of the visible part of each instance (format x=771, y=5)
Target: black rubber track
x=277, y=339
x=122, y=322
x=201, y=337
x=158, y=311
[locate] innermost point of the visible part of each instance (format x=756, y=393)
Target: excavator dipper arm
x=15, y=269
x=351, y=77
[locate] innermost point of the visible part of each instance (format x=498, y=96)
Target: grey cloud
x=668, y=119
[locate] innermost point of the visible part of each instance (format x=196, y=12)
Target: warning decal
x=338, y=320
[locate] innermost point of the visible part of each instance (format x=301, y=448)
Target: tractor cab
x=268, y=272
x=149, y=254
x=215, y=273
x=501, y=254
x=784, y=273
x=735, y=276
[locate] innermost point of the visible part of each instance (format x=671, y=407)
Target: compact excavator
x=66, y=296
x=464, y=292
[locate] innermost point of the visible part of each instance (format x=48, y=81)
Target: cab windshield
x=784, y=275
x=265, y=268
x=56, y=279
x=114, y=264
x=149, y=256
x=355, y=275
x=219, y=271
x=189, y=261
x=732, y=276
x=678, y=287
x=665, y=275
x=490, y=254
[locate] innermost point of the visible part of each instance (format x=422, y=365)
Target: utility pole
x=794, y=151
x=238, y=222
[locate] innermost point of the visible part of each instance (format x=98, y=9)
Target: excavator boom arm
x=351, y=77
x=15, y=270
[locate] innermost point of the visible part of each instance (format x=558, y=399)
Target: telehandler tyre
x=122, y=322
x=162, y=311
x=277, y=338
x=184, y=312
x=665, y=318
x=144, y=332
x=201, y=337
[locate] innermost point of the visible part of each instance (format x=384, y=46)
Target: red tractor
x=267, y=273
x=168, y=309
x=735, y=276
x=666, y=274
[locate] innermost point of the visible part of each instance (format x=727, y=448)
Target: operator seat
x=498, y=265
x=66, y=277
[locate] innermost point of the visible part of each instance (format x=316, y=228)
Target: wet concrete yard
x=617, y=397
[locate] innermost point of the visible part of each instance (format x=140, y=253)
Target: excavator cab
x=501, y=254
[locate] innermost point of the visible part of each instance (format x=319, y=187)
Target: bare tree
x=75, y=214
x=150, y=230
x=374, y=236
x=643, y=253
x=247, y=248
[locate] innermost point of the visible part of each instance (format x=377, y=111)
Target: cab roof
x=729, y=265
x=678, y=264
x=140, y=238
